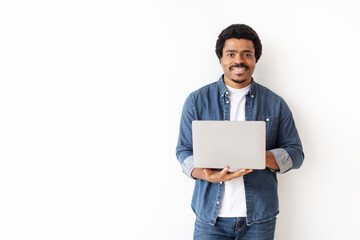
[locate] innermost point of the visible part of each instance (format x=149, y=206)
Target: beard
x=238, y=81
x=238, y=65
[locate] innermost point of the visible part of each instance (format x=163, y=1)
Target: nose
x=238, y=59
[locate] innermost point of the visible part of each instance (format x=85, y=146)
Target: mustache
x=239, y=65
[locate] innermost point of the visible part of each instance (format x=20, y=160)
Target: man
x=241, y=204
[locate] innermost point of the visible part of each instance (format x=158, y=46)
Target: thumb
x=225, y=171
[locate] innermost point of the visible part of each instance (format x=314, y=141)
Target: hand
x=271, y=162
x=216, y=176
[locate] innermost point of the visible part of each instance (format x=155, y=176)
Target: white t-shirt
x=234, y=200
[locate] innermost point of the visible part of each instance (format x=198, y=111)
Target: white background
x=90, y=100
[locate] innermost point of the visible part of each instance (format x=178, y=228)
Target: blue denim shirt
x=212, y=102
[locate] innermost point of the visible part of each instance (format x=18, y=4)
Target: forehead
x=238, y=44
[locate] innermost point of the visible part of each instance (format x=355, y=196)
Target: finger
x=208, y=171
x=243, y=172
x=224, y=171
x=239, y=173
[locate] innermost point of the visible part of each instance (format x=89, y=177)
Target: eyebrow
x=243, y=51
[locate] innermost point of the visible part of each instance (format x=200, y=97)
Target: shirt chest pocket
x=272, y=123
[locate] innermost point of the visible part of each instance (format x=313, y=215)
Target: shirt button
x=227, y=93
x=252, y=96
x=217, y=203
x=220, y=182
x=267, y=119
x=227, y=102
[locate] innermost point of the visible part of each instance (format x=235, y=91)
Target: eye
x=231, y=55
x=247, y=55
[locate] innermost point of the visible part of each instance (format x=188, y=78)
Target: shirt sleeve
x=289, y=152
x=188, y=166
x=184, y=148
x=282, y=159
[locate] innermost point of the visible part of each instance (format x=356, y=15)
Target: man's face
x=238, y=62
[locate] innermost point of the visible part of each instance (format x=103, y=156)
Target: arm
x=289, y=154
x=184, y=152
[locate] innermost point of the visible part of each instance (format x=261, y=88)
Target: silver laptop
x=237, y=144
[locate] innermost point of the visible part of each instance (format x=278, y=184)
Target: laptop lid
x=237, y=144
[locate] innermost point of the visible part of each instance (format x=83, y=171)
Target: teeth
x=238, y=69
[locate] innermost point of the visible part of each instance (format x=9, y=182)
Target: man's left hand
x=271, y=162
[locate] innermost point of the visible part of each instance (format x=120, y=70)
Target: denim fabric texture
x=212, y=102
x=234, y=229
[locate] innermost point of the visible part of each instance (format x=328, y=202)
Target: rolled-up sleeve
x=283, y=159
x=188, y=166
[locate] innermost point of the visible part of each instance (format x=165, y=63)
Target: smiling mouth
x=238, y=70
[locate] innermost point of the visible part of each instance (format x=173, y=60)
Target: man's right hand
x=216, y=176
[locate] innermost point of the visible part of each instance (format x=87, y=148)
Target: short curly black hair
x=238, y=31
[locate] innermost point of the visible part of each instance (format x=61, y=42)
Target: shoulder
x=265, y=92
x=271, y=98
x=206, y=89
x=208, y=92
